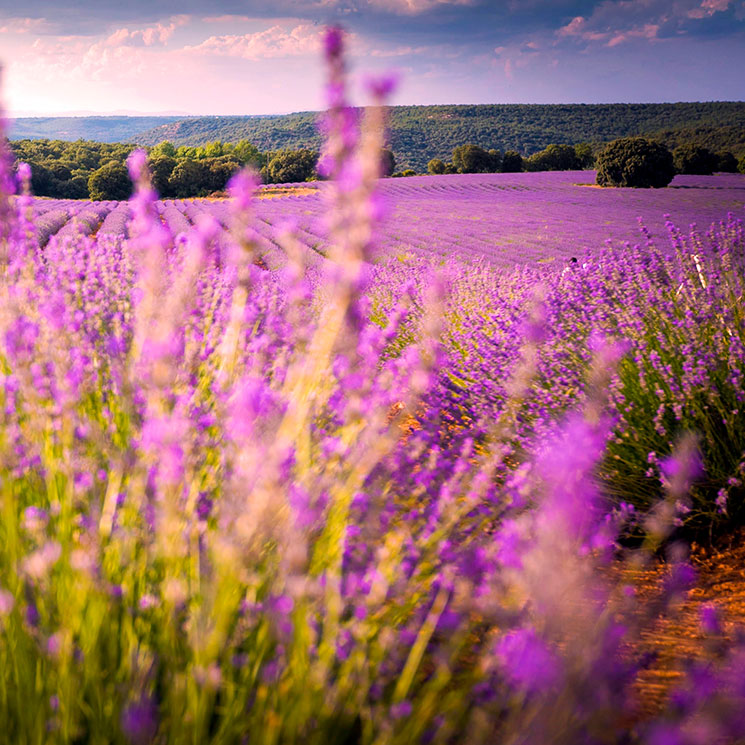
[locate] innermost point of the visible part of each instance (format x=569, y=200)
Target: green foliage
x=741, y=164
x=219, y=171
x=436, y=166
x=387, y=162
x=635, y=161
x=189, y=177
x=726, y=162
x=512, y=162
x=110, y=181
x=554, y=158
x=474, y=159
x=161, y=167
x=288, y=166
x=248, y=154
x=585, y=155
x=165, y=148
x=694, y=160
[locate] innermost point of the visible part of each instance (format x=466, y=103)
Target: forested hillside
x=419, y=133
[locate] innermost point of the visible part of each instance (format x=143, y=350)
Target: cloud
x=613, y=22
x=277, y=41
x=399, y=51
x=149, y=36
x=228, y=18
x=413, y=7
x=708, y=8
x=22, y=25
x=579, y=27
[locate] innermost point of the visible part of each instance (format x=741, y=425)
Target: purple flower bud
x=24, y=173
x=380, y=87
x=401, y=710
x=136, y=164
x=333, y=42
x=709, y=619
x=140, y=722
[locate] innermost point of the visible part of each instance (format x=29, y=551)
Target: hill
x=98, y=128
x=418, y=133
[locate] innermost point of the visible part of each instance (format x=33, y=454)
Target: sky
x=263, y=56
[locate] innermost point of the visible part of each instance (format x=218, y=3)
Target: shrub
x=512, y=162
x=726, y=162
x=161, y=168
x=695, y=160
x=291, y=166
x=554, y=158
x=110, y=181
x=474, y=159
x=585, y=156
x=636, y=162
x=435, y=166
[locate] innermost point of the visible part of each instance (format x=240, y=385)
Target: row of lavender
x=256, y=490
x=506, y=218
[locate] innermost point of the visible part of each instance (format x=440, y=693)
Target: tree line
x=687, y=158
x=94, y=170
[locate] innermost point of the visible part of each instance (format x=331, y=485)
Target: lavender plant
x=253, y=491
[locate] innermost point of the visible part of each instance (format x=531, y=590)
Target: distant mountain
x=98, y=128
x=419, y=133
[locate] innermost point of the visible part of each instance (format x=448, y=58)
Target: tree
x=635, y=161
x=213, y=149
x=474, y=159
x=220, y=171
x=110, y=181
x=435, y=166
x=291, y=166
x=726, y=162
x=554, y=158
x=387, y=162
x=188, y=178
x=248, y=154
x=512, y=162
x=694, y=160
x=583, y=151
x=164, y=148
x=161, y=168
x=41, y=180
x=741, y=164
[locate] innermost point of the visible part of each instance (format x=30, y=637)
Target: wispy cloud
x=413, y=7
x=22, y=25
x=277, y=41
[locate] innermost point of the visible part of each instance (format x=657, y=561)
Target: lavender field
x=506, y=219
x=365, y=464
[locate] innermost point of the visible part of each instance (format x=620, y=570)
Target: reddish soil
x=721, y=581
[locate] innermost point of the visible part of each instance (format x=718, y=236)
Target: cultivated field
x=504, y=218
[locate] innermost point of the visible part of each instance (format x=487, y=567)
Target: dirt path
x=721, y=581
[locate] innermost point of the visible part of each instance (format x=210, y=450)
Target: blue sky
x=258, y=57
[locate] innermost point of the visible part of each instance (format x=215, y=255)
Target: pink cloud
x=708, y=8
x=648, y=31
x=276, y=41
x=414, y=7
x=590, y=29
x=226, y=19
x=150, y=36
x=22, y=25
